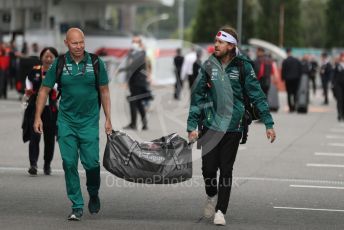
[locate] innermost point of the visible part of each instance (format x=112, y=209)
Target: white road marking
x=337, y=130
x=325, y=165
x=330, y=154
x=334, y=137
x=315, y=186
x=311, y=209
x=336, y=144
x=289, y=180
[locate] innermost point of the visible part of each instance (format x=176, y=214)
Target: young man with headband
x=218, y=98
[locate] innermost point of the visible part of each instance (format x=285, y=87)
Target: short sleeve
x=103, y=76
x=50, y=77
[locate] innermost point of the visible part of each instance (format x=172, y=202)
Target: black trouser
x=178, y=86
x=3, y=84
x=292, y=87
x=191, y=79
x=265, y=89
x=12, y=76
x=312, y=80
x=339, y=93
x=325, y=82
x=265, y=83
x=136, y=104
x=49, y=131
x=219, y=151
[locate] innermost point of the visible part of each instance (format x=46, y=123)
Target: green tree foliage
x=313, y=19
x=334, y=24
x=268, y=22
x=166, y=28
x=212, y=14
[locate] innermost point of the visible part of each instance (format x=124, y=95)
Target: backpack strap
x=245, y=122
x=95, y=64
x=208, y=71
x=59, y=69
x=241, y=67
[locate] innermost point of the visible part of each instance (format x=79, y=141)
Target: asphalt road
x=295, y=183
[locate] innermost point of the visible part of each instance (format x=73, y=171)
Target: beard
x=231, y=53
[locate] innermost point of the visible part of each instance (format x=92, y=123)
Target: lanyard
x=70, y=74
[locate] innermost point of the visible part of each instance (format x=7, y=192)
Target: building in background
x=45, y=22
x=53, y=17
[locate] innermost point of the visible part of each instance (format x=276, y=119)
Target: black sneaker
x=32, y=170
x=94, y=204
x=76, y=214
x=130, y=126
x=47, y=170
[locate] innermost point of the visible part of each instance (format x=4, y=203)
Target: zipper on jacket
x=223, y=71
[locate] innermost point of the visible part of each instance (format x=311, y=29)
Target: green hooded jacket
x=222, y=104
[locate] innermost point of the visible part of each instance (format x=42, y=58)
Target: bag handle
x=175, y=158
x=130, y=152
x=113, y=135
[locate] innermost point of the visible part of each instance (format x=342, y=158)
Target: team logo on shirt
x=234, y=74
x=89, y=68
x=253, y=74
x=214, y=74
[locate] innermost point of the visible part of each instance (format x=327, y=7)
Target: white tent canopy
x=277, y=51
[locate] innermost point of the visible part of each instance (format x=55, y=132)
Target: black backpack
x=61, y=62
x=251, y=112
x=265, y=79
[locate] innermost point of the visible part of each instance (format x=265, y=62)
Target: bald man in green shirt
x=78, y=119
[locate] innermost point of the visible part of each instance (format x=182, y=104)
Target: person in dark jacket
x=49, y=116
x=325, y=74
x=178, y=63
x=291, y=74
x=197, y=64
x=218, y=94
x=338, y=86
x=137, y=82
x=313, y=69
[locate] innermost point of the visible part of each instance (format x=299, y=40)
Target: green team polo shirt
x=79, y=97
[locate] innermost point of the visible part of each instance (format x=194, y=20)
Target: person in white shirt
x=187, y=68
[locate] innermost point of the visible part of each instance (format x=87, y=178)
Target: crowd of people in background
x=329, y=70
x=9, y=56
x=324, y=72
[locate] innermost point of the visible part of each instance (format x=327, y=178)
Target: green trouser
x=84, y=141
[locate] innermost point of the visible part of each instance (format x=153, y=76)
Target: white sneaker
x=209, y=208
x=219, y=218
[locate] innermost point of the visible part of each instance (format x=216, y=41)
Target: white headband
x=226, y=37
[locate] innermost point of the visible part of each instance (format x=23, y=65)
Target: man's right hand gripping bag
x=167, y=160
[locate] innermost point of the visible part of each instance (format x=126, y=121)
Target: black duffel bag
x=166, y=160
